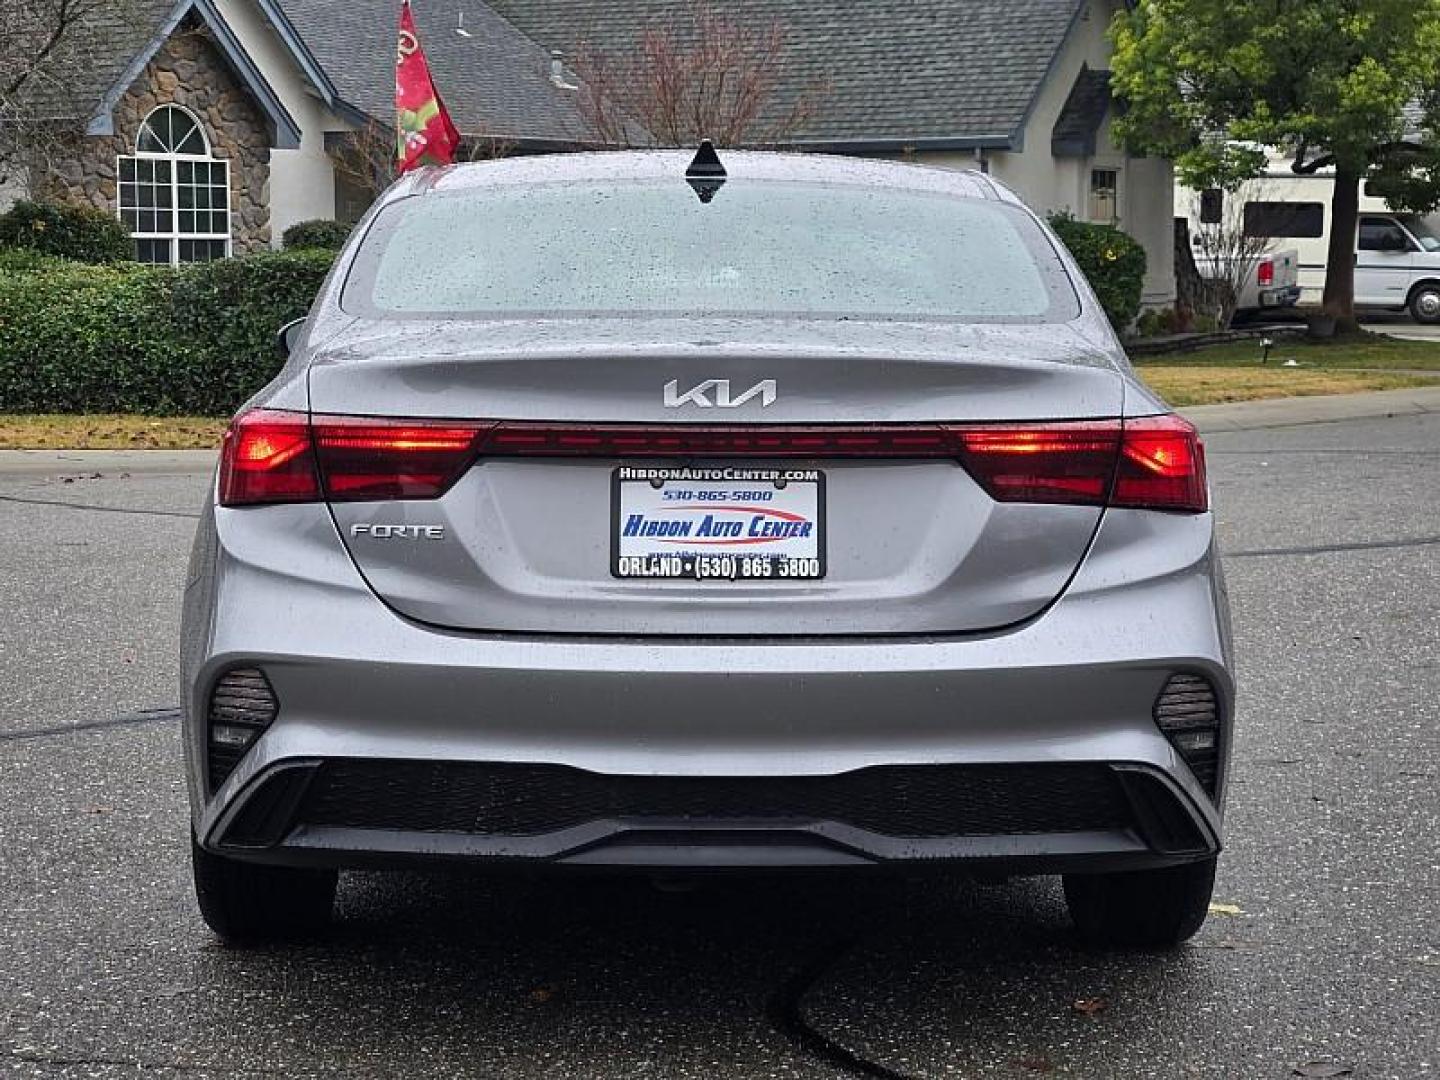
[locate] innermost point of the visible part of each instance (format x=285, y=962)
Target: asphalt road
x=1333, y=533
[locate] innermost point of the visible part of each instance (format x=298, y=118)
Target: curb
x=1327, y=409
x=1241, y=416
x=81, y=462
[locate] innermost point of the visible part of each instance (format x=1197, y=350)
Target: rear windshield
x=757, y=248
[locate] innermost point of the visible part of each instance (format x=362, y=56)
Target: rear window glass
x=652, y=247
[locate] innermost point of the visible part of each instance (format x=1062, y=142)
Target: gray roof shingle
x=897, y=72
x=1078, y=125
x=962, y=72
x=495, y=81
x=93, y=54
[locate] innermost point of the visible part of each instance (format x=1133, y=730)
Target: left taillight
x=282, y=457
x=268, y=457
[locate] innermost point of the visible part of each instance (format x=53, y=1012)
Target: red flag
x=424, y=132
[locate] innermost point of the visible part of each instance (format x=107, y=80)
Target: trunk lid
x=527, y=544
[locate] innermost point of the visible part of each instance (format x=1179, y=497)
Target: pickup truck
x=1273, y=283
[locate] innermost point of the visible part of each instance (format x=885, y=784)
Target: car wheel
x=248, y=903
x=1425, y=304
x=1141, y=909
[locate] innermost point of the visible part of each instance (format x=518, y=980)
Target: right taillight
x=1151, y=463
x=1162, y=466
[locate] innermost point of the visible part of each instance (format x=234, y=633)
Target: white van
x=1397, y=256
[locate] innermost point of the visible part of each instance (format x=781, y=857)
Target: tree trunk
x=1339, y=300
x=1189, y=285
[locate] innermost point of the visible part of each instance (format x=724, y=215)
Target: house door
x=1383, y=263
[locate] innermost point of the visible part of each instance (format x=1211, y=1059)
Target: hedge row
x=74, y=232
x=316, y=233
x=128, y=338
x=1112, y=261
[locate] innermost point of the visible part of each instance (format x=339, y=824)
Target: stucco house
x=209, y=126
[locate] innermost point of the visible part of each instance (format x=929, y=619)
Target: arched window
x=173, y=196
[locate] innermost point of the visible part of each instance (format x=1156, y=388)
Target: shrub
x=1112, y=262
x=317, y=233
x=1150, y=324
x=131, y=338
x=81, y=233
x=27, y=261
x=227, y=312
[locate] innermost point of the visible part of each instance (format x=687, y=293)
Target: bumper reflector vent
x=242, y=706
x=1188, y=714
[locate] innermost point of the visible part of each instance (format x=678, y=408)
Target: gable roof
x=1078, y=125
x=931, y=74
x=103, y=53
x=495, y=80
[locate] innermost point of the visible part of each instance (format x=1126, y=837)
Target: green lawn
x=1370, y=351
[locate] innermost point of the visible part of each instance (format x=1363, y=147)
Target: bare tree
x=48, y=48
x=1226, y=257
x=695, y=75
x=366, y=159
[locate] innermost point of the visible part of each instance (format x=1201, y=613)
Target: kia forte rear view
x=801, y=515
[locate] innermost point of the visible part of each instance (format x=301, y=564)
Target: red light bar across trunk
x=1148, y=463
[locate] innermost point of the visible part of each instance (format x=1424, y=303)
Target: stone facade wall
x=188, y=70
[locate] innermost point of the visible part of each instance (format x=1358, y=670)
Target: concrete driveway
x=1330, y=952
x=1399, y=325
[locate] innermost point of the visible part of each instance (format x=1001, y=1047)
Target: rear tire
x=1425, y=304
x=1141, y=909
x=250, y=903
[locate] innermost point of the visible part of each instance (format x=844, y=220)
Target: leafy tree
x=1352, y=85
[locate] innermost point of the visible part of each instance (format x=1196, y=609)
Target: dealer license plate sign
x=728, y=523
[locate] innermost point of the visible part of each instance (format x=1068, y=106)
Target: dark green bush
x=1112, y=261
x=131, y=338
x=27, y=261
x=317, y=233
x=81, y=233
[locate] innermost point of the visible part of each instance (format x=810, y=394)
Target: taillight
x=365, y=459
x=1045, y=463
x=1154, y=463
x=1162, y=466
x=267, y=457
x=270, y=456
x=1151, y=463
x=1265, y=275
x=529, y=439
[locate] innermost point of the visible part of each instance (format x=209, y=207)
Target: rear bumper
x=357, y=684
x=1287, y=296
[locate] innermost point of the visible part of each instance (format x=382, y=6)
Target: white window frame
x=175, y=235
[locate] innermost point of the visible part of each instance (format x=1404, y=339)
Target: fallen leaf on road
x=542, y=994
x=1226, y=909
x=1314, y=1069
x=1090, y=1006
